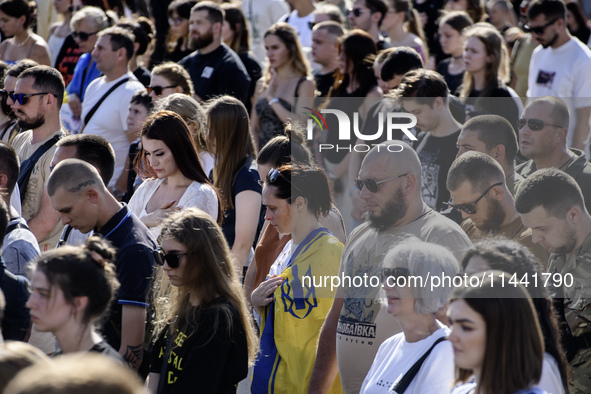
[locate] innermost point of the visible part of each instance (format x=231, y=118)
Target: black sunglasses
x=81, y=35
x=23, y=98
x=158, y=89
x=357, y=12
x=4, y=94
x=534, y=124
x=173, y=259
x=372, y=185
x=394, y=273
x=539, y=30
x=470, y=209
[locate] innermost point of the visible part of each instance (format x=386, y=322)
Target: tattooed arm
x=133, y=322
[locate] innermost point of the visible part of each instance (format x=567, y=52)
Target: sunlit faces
x=9, y=86
x=401, y=300
x=87, y=26
x=468, y=336
x=452, y=42
x=160, y=81
x=324, y=46
x=277, y=52
x=180, y=27
x=159, y=157
x=49, y=309
x=556, y=235
x=364, y=20
x=79, y=210
x=550, y=35
x=227, y=32
x=136, y=115
x=175, y=275
x=61, y=6
x=278, y=210
x=540, y=143
x=475, y=57
x=427, y=116
x=11, y=25
x=31, y=115
x=457, y=5
x=200, y=30
x=489, y=211
x=468, y=141
x=103, y=54
x=392, y=18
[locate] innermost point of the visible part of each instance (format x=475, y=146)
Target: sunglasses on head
x=394, y=273
x=356, y=12
x=372, y=185
x=158, y=89
x=470, y=209
x=23, y=98
x=81, y=35
x=173, y=259
x=534, y=124
x=539, y=30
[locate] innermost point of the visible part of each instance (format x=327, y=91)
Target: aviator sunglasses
x=173, y=259
x=534, y=124
x=371, y=184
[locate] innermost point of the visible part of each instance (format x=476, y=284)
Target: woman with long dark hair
x=177, y=42
x=451, y=26
x=174, y=177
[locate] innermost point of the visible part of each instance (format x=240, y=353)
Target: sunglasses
x=372, y=185
x=158, y=89
x=539, y=30
x=356, y=12
x=394, y=273
x=81, y=35
x=23, y=98
x=4, y=94
x=470, y=209
x=173, y=259
x=534, y=124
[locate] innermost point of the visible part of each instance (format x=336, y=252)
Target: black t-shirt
x=67, y=59
x=143, y=75
x=497, y=102
x=254, y=72
x=436, y=155
x=206, y=359
x=323, y=82
x=218, y=73
x=454, y=81
x=135, y=264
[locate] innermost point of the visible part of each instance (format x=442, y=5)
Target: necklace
x=22, y=43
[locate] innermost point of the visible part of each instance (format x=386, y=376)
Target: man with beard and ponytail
x=215, y=69
x=479, y=192
x=36, y=102
x=390, y=184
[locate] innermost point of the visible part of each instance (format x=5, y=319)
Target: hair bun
x=100, y=250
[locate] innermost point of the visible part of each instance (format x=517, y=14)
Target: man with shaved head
x=390, y=184
x=78, y=194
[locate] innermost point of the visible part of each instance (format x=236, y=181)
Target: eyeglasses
x=81, y=35
x=372, y=185
x=173, y=259
x=158, y=89
x=176, y=21
x=539, y=30
x=534, y=124
x=356, y=12
x=470, y=209
x=394, y=273
x=23, y=98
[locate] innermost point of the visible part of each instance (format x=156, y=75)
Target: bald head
x=397, y=156
x=74, y=176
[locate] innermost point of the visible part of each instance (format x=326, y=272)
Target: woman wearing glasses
x=292, y=302
x=407, y=268
x=286, y=87
x=497, y=341
x=487, y=70
x=16, y=17
x=72, y=288
x=177, y=42
x=174, y=177
x=204, y=336
x=169, y=78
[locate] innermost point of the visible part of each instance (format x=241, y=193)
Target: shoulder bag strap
x=412, y=372
x=98, y=104
x=28, y=165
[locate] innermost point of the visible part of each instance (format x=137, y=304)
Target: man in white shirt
x=112, y=52
x=559, y=66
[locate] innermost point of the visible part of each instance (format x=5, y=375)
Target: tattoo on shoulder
x=133, y=355
x=79, y=187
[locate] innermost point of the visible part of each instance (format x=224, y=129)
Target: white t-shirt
x=301, y=25
x=110, y=119
x=396, y=356
x=551, y=380
x=282, y=261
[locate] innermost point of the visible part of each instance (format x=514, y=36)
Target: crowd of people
x=194, y=196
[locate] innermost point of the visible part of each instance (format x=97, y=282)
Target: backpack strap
x=412, y=372
x=28, y=165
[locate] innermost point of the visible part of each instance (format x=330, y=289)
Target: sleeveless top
x=270, y=123
x=13, y=62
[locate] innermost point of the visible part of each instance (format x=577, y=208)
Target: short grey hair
x=425, y=260
x=93, y=14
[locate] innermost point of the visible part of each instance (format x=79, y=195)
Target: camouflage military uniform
x=577, y=310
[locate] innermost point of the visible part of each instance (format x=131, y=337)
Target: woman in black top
x=202, y=325
x=451, y=39
x=577, y=23
x=177, y=42
x=72, y=289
